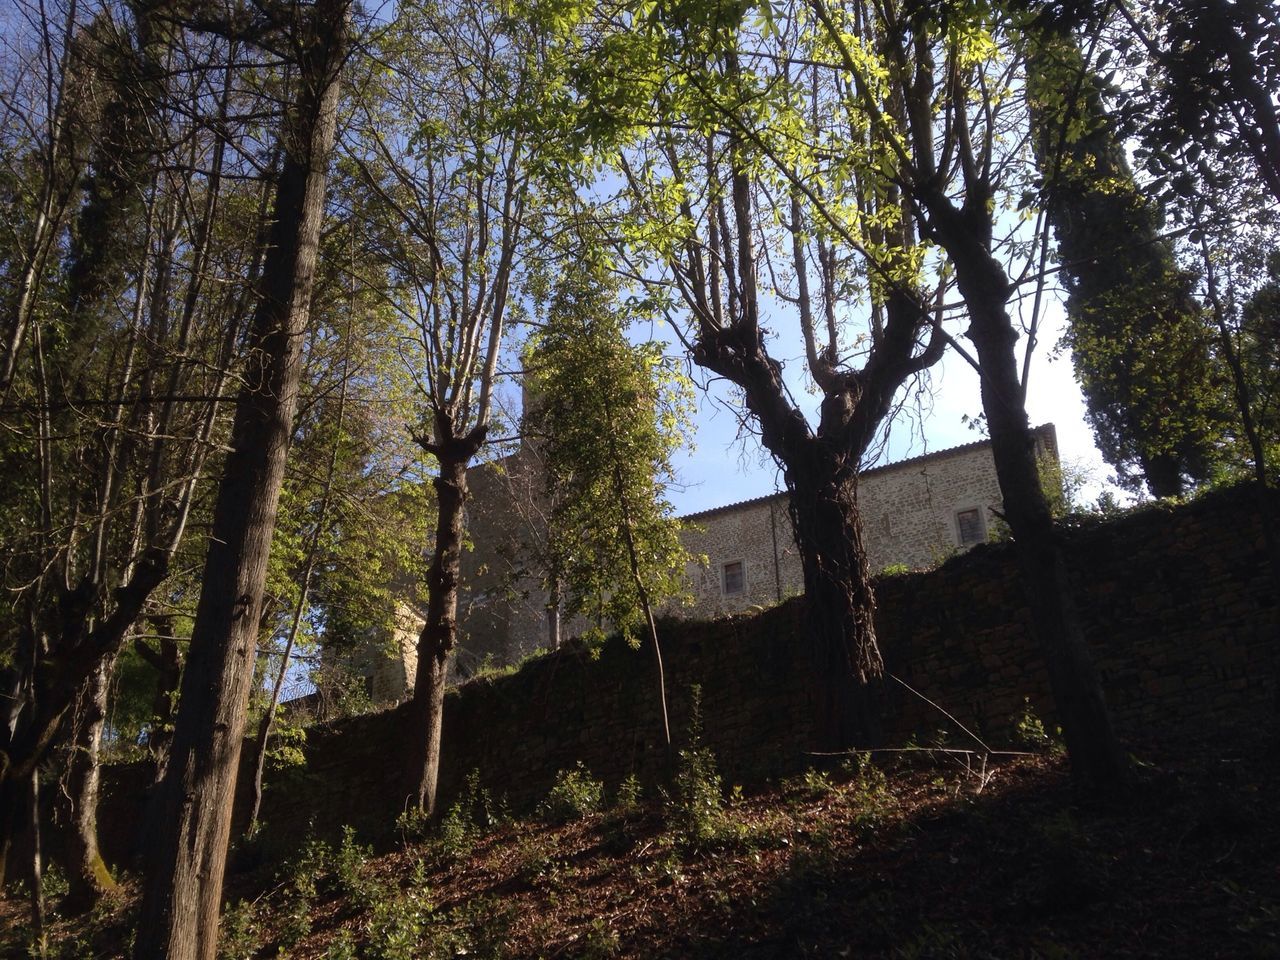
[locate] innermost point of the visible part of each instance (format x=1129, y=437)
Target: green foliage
x=574, y=796
x=397, y=926
x=628, y=797
x=1030, y=732
x=608, y=415
x=600, y=942
x=300, y=889
x=287, y=749
x=239, y=933
x=342, y=947
x=869, y=792
x=349, y=869
x=414, y=824
x=1142, y=351
x=468, y=819
x=809, y=785
x=695, y=808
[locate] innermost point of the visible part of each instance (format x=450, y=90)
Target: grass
x=910, y=860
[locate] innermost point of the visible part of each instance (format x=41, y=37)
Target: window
x=970, y=527
x=734, y=578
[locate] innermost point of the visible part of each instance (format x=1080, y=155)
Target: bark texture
x=1095, y=751
x=440, y=631
x=88, y=879
x=193, y=805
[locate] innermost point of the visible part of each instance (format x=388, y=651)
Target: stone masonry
x=1180, y=608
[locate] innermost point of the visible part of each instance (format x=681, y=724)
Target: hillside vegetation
x=919, y=854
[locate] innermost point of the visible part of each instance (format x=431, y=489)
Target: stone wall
x=1181, y=609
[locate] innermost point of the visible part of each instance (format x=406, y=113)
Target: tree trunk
x=36, y=877
x=88, y=879
x=440, y=632
x=838, y=594
x=1095, y=752
x=193, y=806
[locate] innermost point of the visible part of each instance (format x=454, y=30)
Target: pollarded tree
x=450, y=138
x=734, y=195
x=607, y=416
x=957, y=148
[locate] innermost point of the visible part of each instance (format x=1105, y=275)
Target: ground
x=914, y=855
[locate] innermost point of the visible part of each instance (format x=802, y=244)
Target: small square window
x=734, y=578
x=969, y=526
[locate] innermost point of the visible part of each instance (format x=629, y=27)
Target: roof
x=1045, y=432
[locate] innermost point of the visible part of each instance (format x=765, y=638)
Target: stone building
x=916, y=513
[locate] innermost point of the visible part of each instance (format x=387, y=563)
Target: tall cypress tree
x=1141, y=350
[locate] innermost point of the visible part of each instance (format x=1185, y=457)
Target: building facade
x=915, y=513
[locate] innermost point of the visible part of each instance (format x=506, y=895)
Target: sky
x=720, y=468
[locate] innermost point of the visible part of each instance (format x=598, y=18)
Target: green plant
x=696, y=805
x=895, y=570
x=53, y=883
x=414, y=824
x=302, y=884
x=348, y=864
x=288, y=750
x=599, y=942
x=574, y=796
x=1029, y=730
x=628, y=797
x=397, y=925
x=808, y=786
x=468, y=818
x=869, y=792
x=535, y=854
x=478, y=929
x=238, y=935
x=343, y=947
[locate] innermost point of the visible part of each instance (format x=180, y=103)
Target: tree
x=192, y=811
x=1141, y=351
x=954, y=149
x=105, y=457
x=464, y=91
x=742, y=219
x=607, y=416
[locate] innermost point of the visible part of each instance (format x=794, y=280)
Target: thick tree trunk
x=838, y=595
x=88, y=879
x=193, y=805
x=440, y=632
x=1095, y=751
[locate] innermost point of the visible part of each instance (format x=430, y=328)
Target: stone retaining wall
x=1180, y=605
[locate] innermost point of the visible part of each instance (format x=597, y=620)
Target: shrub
x=808, y=786
x=574, y=796
x=696, y=807
x=239, y=932
x=397, y=926
x=869, y=792
x=628, y=798
x=1029, y=731
x=348, y=866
